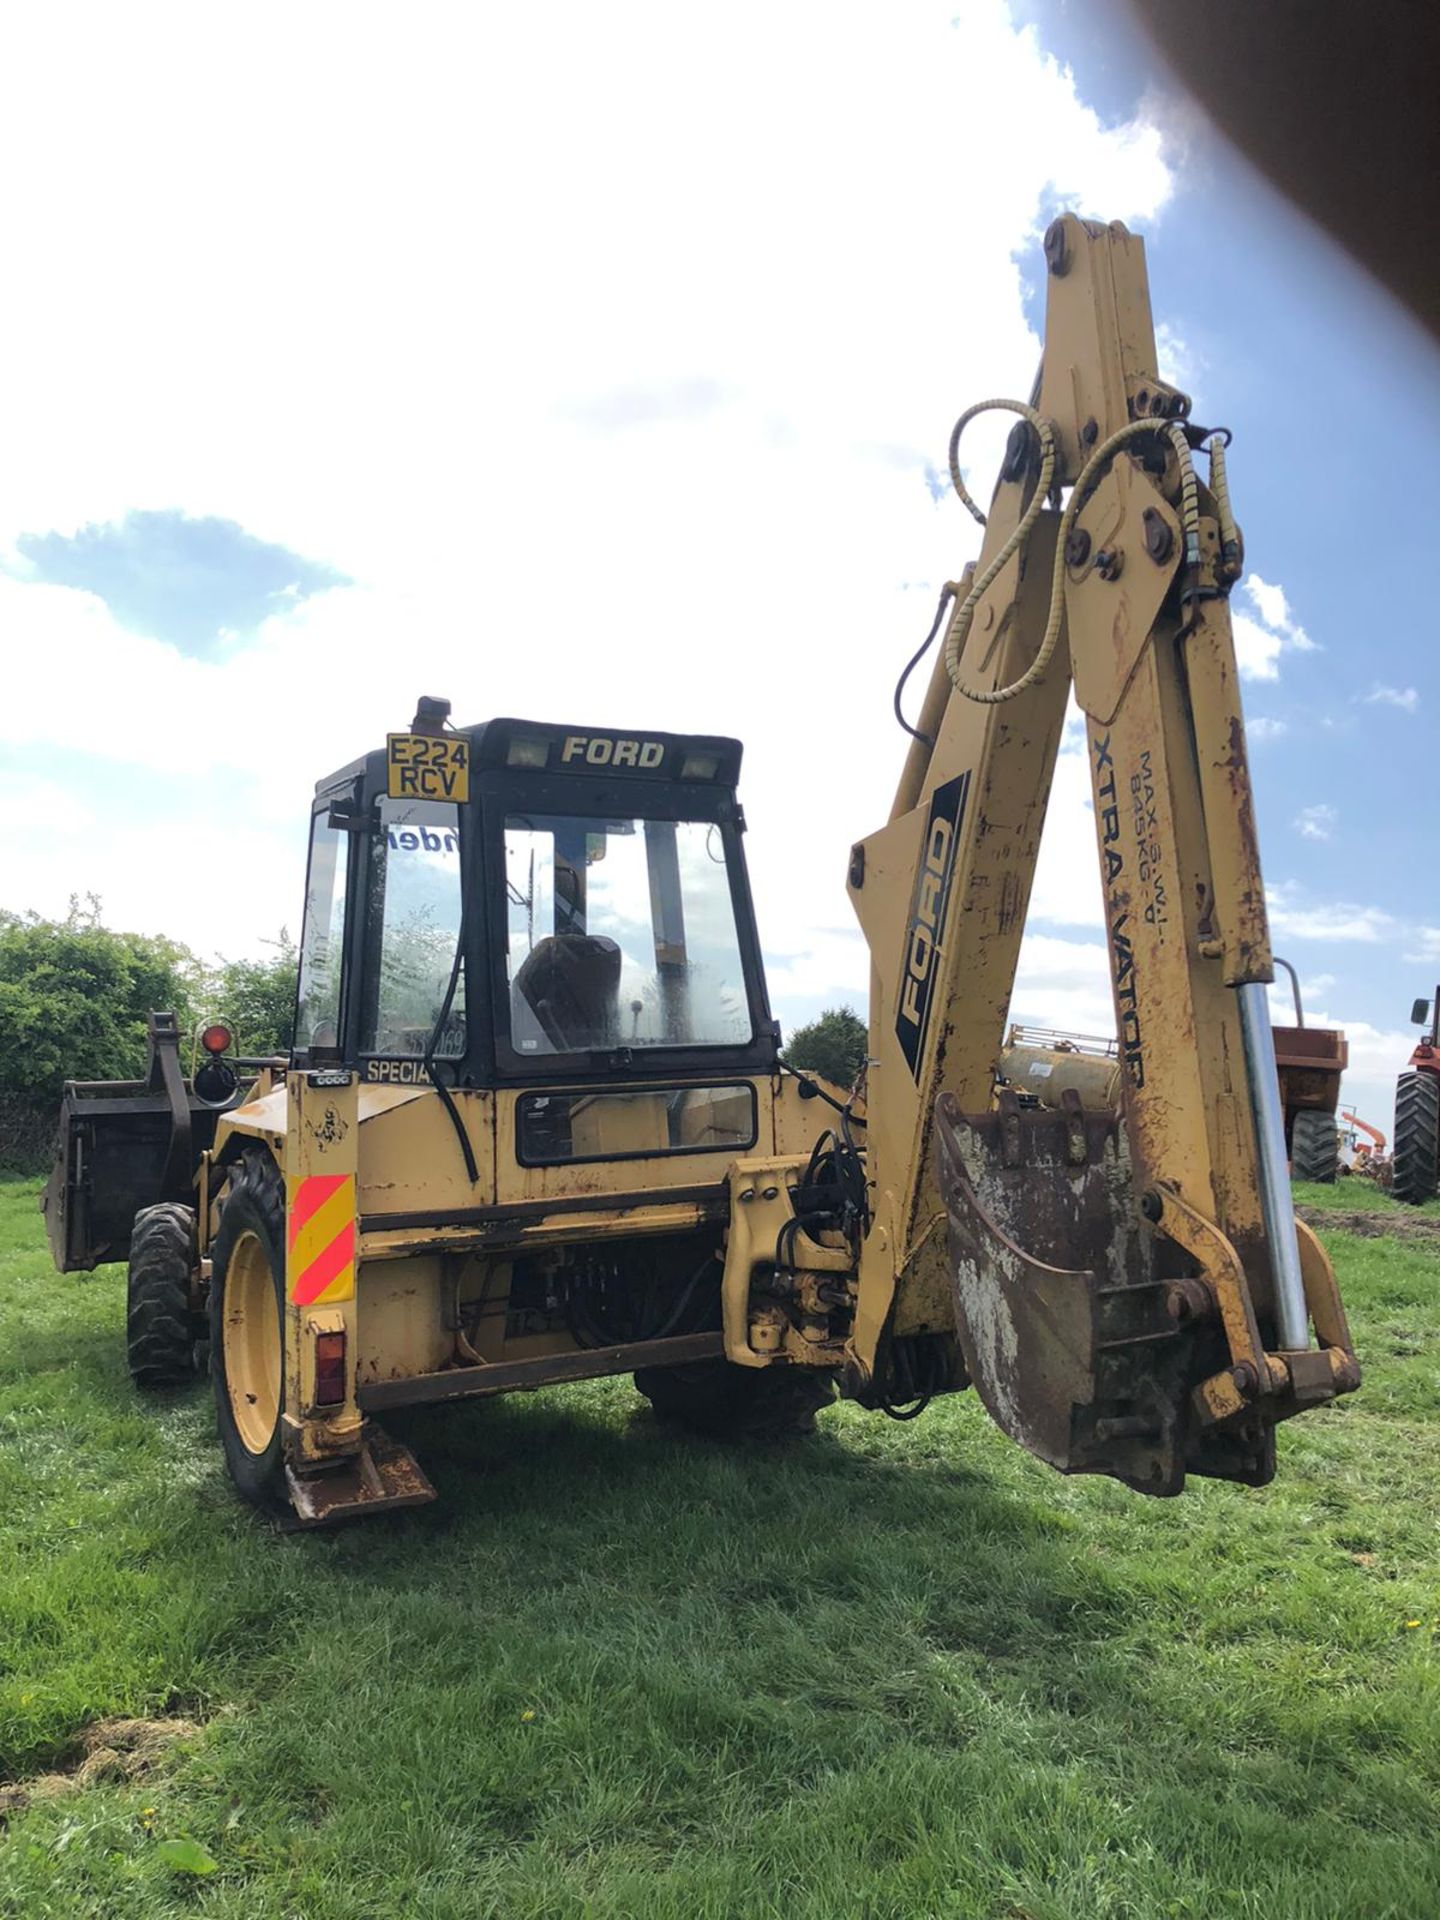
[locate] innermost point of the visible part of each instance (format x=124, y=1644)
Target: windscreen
x=621, y=934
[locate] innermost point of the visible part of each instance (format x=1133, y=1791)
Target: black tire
x=729, y=1402
x=160, y=1329
x=1416, y=1161
x=1315, y=1147
x=252, y=1225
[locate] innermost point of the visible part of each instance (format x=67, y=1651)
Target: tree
x=74, y=995
x=833, y=1046
x=256, y=998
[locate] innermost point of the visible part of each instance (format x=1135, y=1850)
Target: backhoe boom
x=1132, y=1296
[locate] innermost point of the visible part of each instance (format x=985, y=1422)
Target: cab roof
x=544, y=746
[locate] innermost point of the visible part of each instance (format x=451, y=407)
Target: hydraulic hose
x=1224, y=513
x=1085, y=484
x=960, y=619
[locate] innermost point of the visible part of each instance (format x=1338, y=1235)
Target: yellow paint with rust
x=1176, y=842
x=416, y=1278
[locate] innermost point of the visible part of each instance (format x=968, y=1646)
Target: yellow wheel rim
x=253, y=1361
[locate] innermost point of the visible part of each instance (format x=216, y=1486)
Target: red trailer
x=1311, y=1061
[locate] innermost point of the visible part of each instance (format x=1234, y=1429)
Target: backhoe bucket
x=1090, y=1366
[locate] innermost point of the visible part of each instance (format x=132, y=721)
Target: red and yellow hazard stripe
x=320, y=1238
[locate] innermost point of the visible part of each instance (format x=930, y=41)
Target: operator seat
x=571, y=983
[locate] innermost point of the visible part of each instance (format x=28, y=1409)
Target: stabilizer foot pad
x=382, y=1475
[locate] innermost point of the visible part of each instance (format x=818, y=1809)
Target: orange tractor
x=1416, y=1157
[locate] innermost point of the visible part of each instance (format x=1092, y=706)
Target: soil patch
x=108, y=1750
x=1374, y=1226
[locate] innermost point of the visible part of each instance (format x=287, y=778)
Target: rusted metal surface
x=1086, y=1337
x=1068, y=1358
x=551, y=1369
x=1310, y=1061
x=525, y=1213
x=383, y=1474
x=1311, y=1047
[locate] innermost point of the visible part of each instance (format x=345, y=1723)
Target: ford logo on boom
x=927, y=917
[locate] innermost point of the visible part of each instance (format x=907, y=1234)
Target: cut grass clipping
x=893, y=1671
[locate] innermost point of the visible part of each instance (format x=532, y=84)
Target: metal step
x=383, y=1474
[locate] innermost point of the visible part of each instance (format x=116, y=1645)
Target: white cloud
x=1270, y=602
x=1066, y=889
x=1179, y=364
x=1263, y=728
x=1314, y=823
x=1065, y=984
x=1406, y=698
x=609, y=387
x=1270, y=630
x=1257, y=650
x=53, y=816
x=1293, y=917
x=833, y=965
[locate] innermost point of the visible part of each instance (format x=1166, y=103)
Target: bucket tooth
x=1083, y=1363
x=383, y=1474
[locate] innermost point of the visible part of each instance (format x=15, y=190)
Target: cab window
x=322, y=943
x=621, y=933
x=412, y=930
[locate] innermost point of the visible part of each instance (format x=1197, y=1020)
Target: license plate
x=427, y=766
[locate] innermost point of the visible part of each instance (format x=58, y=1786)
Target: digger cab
x=526, y=903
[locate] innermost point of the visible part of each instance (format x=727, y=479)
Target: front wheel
x=724, y=1401
x=159, y=1320
x=1416, y=1160
x=247, y=1330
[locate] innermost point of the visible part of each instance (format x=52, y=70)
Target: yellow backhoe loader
x=536, y=1127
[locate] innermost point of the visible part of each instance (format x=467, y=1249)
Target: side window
x=322, y=944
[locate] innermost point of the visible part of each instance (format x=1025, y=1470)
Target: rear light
x=329, y=1369
x=216, y=1039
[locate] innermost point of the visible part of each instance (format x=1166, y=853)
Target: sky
x=596, y=365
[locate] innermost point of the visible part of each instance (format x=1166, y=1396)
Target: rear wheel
x=159, y=1325
x=1315, y=1147
x=247, y=1330
x=1417, y=1137
x=729, y=1402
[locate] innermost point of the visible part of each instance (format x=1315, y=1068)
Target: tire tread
x=256, y=1198
x=1315, y=1147
x=1416, y=1159
x=159, y=1321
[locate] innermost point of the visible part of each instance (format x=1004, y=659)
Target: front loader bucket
x=1088, y=1364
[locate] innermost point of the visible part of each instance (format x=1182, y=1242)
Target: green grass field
x=897, y=1671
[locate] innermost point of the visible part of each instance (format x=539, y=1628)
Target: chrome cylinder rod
x=1292, y=1323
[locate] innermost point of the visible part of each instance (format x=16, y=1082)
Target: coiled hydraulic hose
x=1085, y=484
x=1220, y=486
